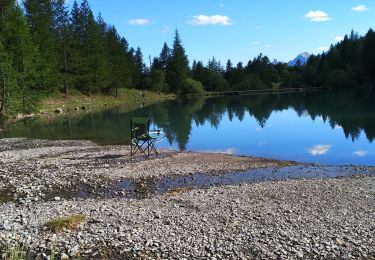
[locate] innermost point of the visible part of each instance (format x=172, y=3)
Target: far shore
x=45, y=180
x=76, y=102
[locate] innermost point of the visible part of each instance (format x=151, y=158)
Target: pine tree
x=178, y=66
x=61, y=29
x=139, y=68
x=164, y=57
x=39, y=15
x=76, y=46
x=118, y=58
x=368, y=55
x=7, y=80
x=24, y=59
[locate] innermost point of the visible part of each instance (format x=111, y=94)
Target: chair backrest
x=139, y=126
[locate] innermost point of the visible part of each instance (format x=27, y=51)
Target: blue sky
x=237, y=29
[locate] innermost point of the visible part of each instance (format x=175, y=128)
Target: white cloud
x=320, y=149
x=339, y=38
x=267, y=46
x=139, y=21
x=360, y=153
x=166, y=29
x=317, y=16
x=258, y=27
x=210, y=20
x=221, y=5
x=360, y=8
x=323, y=48
x=256, y=43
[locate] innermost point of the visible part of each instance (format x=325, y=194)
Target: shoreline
x=77, y=102
x=282, y=218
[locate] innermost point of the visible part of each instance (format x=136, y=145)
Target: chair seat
x=146, y=137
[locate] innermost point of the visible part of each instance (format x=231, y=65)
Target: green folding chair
x=142, y=140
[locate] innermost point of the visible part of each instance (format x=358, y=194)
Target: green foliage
x=192, y=86
x=368, y=55
x=7, y=78
x=39, y=16
x=251, y=81
x=158, y=80
x=24, y=60
x=211, y=76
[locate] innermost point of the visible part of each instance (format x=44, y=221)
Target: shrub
x=192, y=86
x=70, y=222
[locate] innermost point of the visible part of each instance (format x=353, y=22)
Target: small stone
x=57, y=198
x=339, y=242
x=58, y=111
x=299, y=254
x=64, y=256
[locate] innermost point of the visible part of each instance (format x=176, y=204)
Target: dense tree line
x=350, y=63
x=46, y=48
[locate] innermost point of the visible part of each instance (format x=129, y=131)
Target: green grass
x=69, y=222
x=17, y=252
x=20, y=252
x=5, y=196
x=76, y=99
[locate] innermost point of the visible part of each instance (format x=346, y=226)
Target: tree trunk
x=3, y=92
x=66, y=72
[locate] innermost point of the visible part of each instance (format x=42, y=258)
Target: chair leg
x=144, y=147
x=152, y=147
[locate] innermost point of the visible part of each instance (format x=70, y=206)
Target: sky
x=237, y=29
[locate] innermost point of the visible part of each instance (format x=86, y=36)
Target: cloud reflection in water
x=320, y=149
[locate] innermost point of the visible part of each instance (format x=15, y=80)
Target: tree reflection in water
x=353, y=111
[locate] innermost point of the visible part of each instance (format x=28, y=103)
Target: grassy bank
x=76, y=100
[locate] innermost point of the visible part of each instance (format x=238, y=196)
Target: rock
x=76, y=108
x=57, y=198
x=299, y=254
x=59, y=111
x=339, y=242
x=64, y=256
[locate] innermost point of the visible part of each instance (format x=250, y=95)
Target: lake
x=324, y=127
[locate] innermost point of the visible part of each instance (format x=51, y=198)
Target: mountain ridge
x=301, y=59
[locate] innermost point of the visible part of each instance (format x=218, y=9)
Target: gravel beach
x=41, y=180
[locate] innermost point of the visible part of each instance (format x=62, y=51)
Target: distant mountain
x=301, y=59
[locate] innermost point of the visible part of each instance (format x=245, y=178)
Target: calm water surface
x=324, y=127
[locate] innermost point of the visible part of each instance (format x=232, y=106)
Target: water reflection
x=360, y=153
x=320, y=149
x=224, y=124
